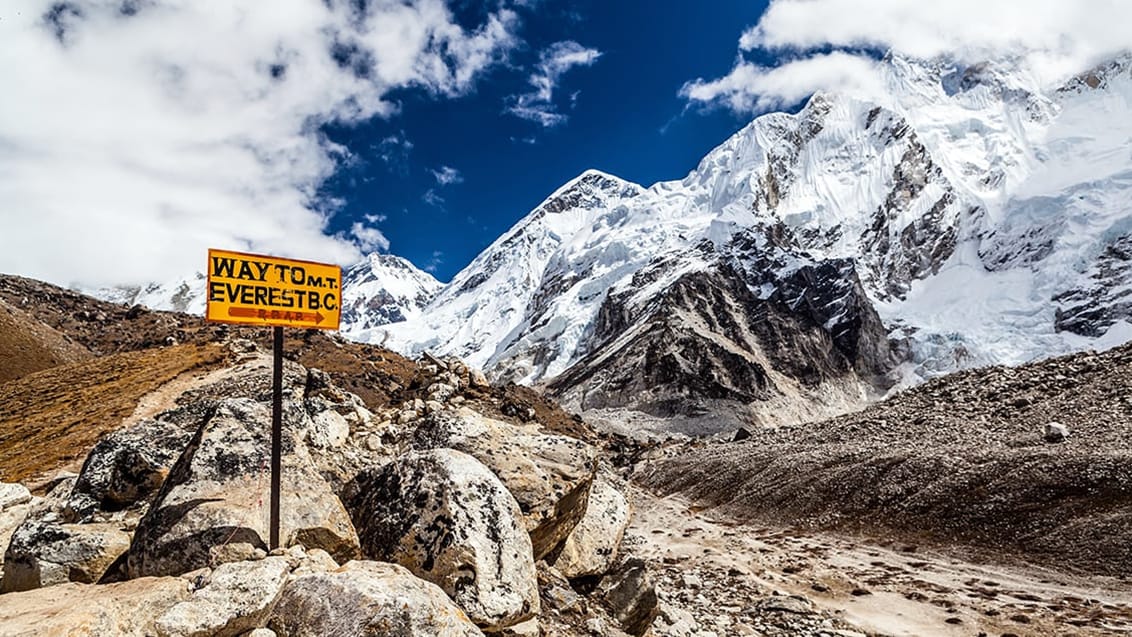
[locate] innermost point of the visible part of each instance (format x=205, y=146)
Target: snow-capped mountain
x=384, y=289
x=970, y=215
x=181, y=295
x=984, y=218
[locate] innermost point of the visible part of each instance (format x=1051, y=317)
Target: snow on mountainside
x=988, y=218
x=968, y=216
x=384, y=289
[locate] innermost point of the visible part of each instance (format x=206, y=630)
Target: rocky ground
x=492, y=511
x=1033, y=462
x=418, y=498
x=722, y=577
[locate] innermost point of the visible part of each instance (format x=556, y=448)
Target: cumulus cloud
x=369, y=238
x=447, y=175
x=135, y=135
x=538, y=104
x=750, y=87
x=1056, y=38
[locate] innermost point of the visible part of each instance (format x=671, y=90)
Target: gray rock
x=785, y=604
x=13, y=494
x=440, y=392
x=629, y=592
x=367, y=599
x=218, y=493
x=329, y=430
x=10, y=519
x=127, y=466
x=591, y=548
x=549, y=475
x=450, y=521
x=239, y=597
x=529, y=628
x=476, y=378
x=1056, y=432
x=43, y=553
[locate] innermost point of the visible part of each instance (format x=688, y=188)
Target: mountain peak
x=382, y=289
x=588, y=190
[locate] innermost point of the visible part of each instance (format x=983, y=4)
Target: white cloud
x=132, y=140
x=749, y=87
x=447, y=175
x=538, y=105
x=433, y=198
x=435, y=261
x=369, y=239
x=394, y=151
x=1057, y=38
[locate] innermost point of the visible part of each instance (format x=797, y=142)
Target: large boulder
x=238, y=598
x=45, y=552
x=629, y=593
x=591, y=548
x=549, y=475
x=125, y=609
x=218, y=493
x=16, y=503
x=367, y=599
x=127, y=467
x=449, y=520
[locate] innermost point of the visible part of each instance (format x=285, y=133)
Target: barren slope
x=27, y=346
x=55, y=416
x=958, y=461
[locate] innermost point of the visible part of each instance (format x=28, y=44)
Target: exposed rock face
x=125, y=609
x=591, y=548
x=629, y=592
x=127, y=467
x=548, y=475
x=711, y=355
x=367, y=599
x=45, y=553
x=239, y=597
x=449, y=520
x=1091, y=311
x=217, y=494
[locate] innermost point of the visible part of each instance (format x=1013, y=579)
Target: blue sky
x=626, y=119
x=135, y=135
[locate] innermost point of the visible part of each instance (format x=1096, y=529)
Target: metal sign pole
x=276, y=436
x=262, y=290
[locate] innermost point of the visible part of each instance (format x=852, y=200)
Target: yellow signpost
x=254, y=289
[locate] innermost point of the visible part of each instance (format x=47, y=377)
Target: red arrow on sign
x=251, y=312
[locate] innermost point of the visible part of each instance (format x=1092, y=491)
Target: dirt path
x=725, y=579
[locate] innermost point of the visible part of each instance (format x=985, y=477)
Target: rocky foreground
x=424, y=518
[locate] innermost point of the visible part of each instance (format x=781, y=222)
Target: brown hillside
x=54, y=416
x=380, y=377
x=27, y=345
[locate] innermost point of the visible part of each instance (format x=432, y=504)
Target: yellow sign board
x=254, y=289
